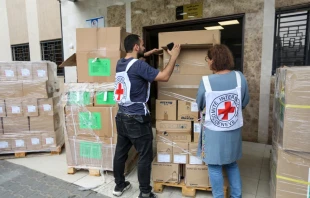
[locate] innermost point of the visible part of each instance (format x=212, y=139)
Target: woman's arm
x=200, y=98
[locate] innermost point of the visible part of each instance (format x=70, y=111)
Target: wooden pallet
x=22, y=154
x=92, y=172
x=186, y=191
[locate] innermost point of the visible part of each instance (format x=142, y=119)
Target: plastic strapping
x=177, y=96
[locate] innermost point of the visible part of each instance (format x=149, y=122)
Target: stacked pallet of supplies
x=290, y=161
x=29, y=108
x=177, y=125
x=90, y=107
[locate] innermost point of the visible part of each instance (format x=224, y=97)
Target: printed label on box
x=9, y=73
x=79, y=98
x=195, y=160
x=49, y=140
x=20, y=143
x=194, y=107
x=90, y=120
x=105, y=98
x=197, y=127
x=25, y=72
x=47, y=107
x=90, y=150
x=4, y=145
x=41, y=73
x=15, y=109
x=163, y=157
x=1, y=110
x=99, y=67
x=179, y=159
x=35, y=141
x=31, y=108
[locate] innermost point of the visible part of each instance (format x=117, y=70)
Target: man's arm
x=164, y=76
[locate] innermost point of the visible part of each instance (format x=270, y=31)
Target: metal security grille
x=20, y=52
x=52, y=51
x=291, y=39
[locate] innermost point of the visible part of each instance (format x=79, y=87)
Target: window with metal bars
x=291, y=39
x=20, y=52
x=52, y=51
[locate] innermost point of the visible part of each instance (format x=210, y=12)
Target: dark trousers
x=134, y=130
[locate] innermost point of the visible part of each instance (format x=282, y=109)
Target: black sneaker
x=151, y=195
x=118, y=191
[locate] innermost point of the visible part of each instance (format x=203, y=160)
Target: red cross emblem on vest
x=119, y=91
x=227, y=109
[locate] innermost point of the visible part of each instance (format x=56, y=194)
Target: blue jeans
x=217, y=180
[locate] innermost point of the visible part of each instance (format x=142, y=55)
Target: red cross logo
x=119, y=91
x=228, y=109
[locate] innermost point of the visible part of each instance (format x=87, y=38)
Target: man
x=133, y=121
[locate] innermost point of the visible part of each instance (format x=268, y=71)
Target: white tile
x=108, y=190
x=249, y=171
x=254, y=149
x=95, y=182
x=265, y=174
x=251, y=160
x=267, y=151
x=203, y=194
x=263, y=189
x=261, y=197
x=249, y=185
x=266, y=162
x=247, y=195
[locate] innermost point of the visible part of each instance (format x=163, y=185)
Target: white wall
x=5, y=47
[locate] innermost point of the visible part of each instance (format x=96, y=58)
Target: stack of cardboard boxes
x=177, y=125
x=29, y=109
x=290, y=161
x=90, y=107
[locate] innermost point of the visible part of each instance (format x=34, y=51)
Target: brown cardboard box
x=35, y=89
x=5, y=144
x=189, y=37
x=79, y=94
x=2, y=109
x=197, y=176
x=188, y=111
x=164, y=152
x=90, y=39
x=14, y=107
x=165, y=172
x=34, y=142
x=30, y=107
x=49, y=106
x=196, y=131
x=19, y=144
x=91, y=120
x=190, y=62
x=165, y=93
x=193, y=159
x=8, y=71
x=173, y=136
x=104, y=94
x=166, y=109
x=186, y=82
x=44, y=124
x=40, y=71
x=24, y=71
x=180, y=153
x=11, y=90
x=15, y=125
x=176, y=126
x=49, y=140
x=97, y=66
x=1, y=126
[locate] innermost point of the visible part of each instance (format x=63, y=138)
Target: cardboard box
x=8, y=71
x=91, y=120
x=11, y=90
x=189, y=62
x=80, y=94
x=34, y=142
x=174, y=126
x=104, y=94
x=30, y=107
x=19, y=144
x=173, y=136
x=15, y=125
x=14, y=107
x=49, y=140
x=5, y=144
x=90, y=39
x=44, y=124
x=24, y=71
x=97, y=66
x=164, y=152
x=165, y=172
x=189, y=37
x=196, y=131
x=180, y=153
x=168, y=93
x=1, y=126
x=186, y=82
x=40, y=71
x=197, y=176
x=35, y=89
x=2, y=109
x=70, y=74
x=166, y=109
x=49, y=106
x=193, y=158
x=188, y=111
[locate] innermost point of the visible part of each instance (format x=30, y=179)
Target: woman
x=224, y=94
